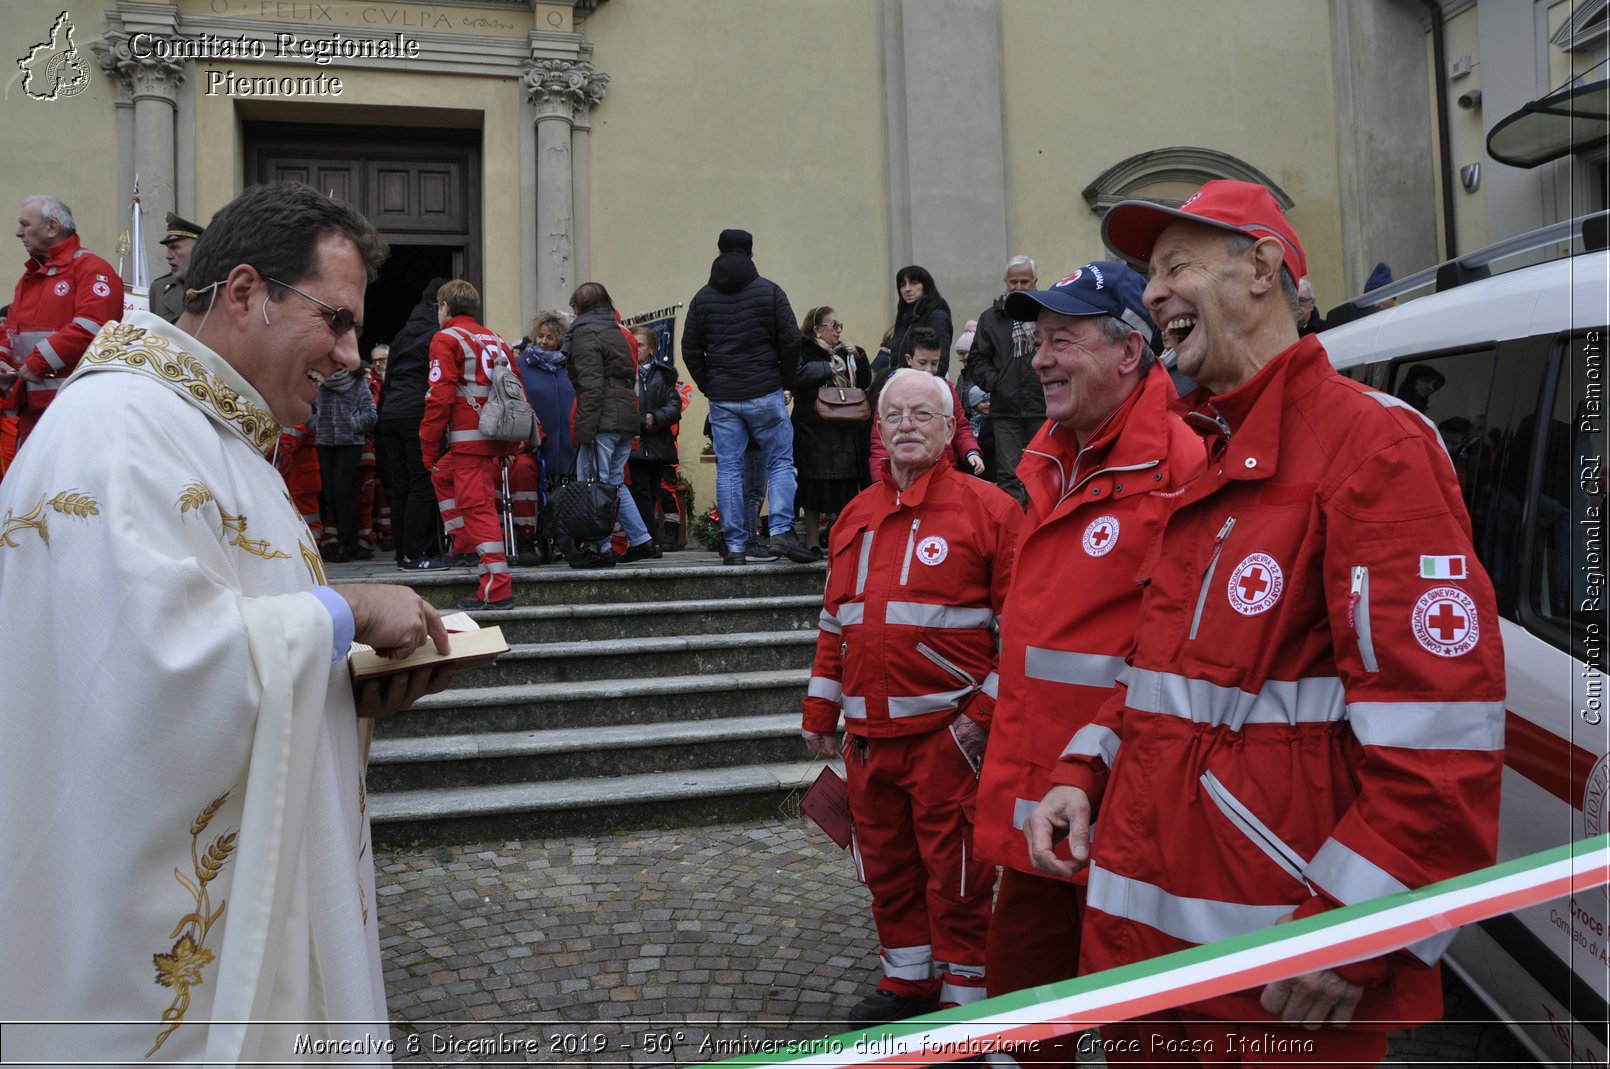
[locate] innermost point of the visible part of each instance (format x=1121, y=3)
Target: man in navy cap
x=1097, y=476
x=167, y=292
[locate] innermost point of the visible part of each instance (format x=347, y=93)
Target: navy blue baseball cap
x=1099, y=288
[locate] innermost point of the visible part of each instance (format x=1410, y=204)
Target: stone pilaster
x=150, y=86
x=558, y=90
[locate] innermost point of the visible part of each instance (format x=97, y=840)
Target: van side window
x=1566, y=522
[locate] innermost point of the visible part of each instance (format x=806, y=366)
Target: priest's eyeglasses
x=341, y=320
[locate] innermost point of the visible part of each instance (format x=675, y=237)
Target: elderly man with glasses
x=187, y=842
x=919, y=564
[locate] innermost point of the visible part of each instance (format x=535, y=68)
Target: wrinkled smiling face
x=1200, y=295
x=1079, y=370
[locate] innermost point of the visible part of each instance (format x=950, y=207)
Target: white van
x=1513, y=370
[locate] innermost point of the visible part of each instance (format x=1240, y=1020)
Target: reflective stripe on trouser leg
x=441, y=481
x=474, y=489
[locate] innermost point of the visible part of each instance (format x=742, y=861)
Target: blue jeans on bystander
x=604, y=459
x=733, y=425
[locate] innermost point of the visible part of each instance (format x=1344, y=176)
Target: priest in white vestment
x=182, y=814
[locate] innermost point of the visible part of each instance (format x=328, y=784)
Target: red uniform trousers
x=911, y=798
x=303, y=482
x=8, y=442
x=1178, y=1039
x=441, y=480
x=523, y=488
x=475, y=479
x=374, y=511
x=1034, y=940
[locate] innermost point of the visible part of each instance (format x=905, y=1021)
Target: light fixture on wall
x=1470, y=100
x=1470, y=177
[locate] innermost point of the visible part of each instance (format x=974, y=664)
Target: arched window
x=1169, y=175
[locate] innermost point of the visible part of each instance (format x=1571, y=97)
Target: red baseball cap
x=1132, y=226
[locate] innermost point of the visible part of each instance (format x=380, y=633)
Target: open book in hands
x=472, y=646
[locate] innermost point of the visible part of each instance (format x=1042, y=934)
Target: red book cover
x=827, y=802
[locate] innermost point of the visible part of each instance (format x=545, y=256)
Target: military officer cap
x=179, y=228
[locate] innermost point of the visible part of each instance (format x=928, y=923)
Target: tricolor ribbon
x=1323, y=941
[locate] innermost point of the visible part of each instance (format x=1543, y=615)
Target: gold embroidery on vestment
x=69, y=503
x=181, y=968
x=137, y=348
x=193, y=497
x=314, y=562
x=257, y=547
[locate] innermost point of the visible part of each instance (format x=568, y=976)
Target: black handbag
x=585, y=509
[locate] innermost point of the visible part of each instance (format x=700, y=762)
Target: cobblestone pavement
x=655, y=947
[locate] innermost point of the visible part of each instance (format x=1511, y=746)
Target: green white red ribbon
x=1351, y=933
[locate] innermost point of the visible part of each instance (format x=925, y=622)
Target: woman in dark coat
x=831, y=457
x=601, y=367
x=660, y=406
x=919, y=305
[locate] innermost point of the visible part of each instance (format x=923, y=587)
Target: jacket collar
x=914, y=495
x=57, y=258
x=1252, y=412
x=1134, y=436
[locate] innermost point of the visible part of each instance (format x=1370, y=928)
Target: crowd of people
x=1199, y=624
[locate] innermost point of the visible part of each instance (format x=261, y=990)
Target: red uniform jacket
x=59, y=304
x=916, y=580
x=1307, y=721
x=960, y=446
x=1093, y=519
x=461, y=358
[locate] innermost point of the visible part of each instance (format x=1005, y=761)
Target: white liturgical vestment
x=182, y=818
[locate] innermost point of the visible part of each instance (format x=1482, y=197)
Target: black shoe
x=593, y=559
x=527, y=555
x=789, y=545
x=363, y=553
x=464, y=560
x=760, y=551
x=882, y=1006
x=729, y=557
x=475, y=604
x=335, y=555
x=423, y=564
x=642, y=551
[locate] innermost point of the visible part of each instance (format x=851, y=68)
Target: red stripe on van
x=1557, y=765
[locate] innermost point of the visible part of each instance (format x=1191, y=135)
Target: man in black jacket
x=1000, y=365
x=741, y=344
x=402, y=407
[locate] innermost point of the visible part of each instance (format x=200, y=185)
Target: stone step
x=567, y=662
x=533, y=706
x=588, y=805
x=547, y=623
x=507, y=757
x=644, y=581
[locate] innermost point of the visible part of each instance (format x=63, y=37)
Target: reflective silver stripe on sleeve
x=48, y=351
x=454, y=524
x=1350, y=877
x=922, y=614
x=1429, y=725
x=1067, y=666
x=827, y=689
x=86, y=323
x=854, y=706
x=907, y=963
x=991, y=685
x=918, y=704
x=829, y=623
x=1254, y=829
x=48, y=384
x=865, y=563
x=466, y=436
x=1093, y=740
x=447, y=504
x=1315, y=700
x=1388, y=401
x=1194, y=920
x=851, y=613
x=1021, y=809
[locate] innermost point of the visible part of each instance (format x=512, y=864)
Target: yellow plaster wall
x=1090, y=84
x=1466, y=137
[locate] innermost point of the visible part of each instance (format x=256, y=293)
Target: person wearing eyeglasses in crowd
x=1308, y=321
x=919, y=565
x=925, y=356
x=187, y=846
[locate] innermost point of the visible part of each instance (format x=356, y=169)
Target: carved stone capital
x=563, y=88
x=138, y=76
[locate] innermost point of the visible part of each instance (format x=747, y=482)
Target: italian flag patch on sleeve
x=1442, y=567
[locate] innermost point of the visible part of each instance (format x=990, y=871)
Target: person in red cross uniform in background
x=1307, y=721
x=1099, y=476
x=64, y=295
x=918, y=567
x=461, y=357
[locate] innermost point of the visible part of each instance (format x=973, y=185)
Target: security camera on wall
x=1469, y=100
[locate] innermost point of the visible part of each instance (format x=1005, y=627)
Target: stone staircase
x=661, y=693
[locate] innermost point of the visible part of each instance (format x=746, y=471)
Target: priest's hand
x=1063, y=811
x=393, y=619
x=383, y=695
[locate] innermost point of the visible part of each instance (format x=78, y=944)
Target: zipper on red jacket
x=911, y=547
x=1213, y=560
x=962, y=676
x=1358, y=616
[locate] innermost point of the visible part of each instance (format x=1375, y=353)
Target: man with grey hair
x=1308, y=321
x=918, y=565
x=64, y=295
x=1000, y=366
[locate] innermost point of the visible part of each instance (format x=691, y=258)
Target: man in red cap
x=1306, y=722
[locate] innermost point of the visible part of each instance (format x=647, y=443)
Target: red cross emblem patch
x=1255, y=585
x=1444, y=622
x=61, y=287
x=932, y=550
x=1101, y=536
